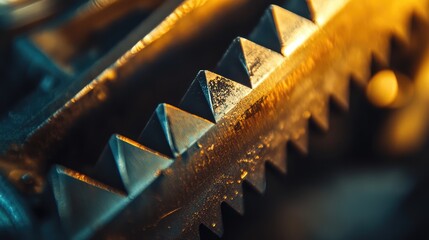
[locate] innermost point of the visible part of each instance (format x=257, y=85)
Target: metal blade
x=254, y=128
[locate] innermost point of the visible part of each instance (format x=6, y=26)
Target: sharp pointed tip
x=321, y=121
x=107, y=169
x=57, y=169
x=314, y=12
x=282, y=30
x=203, y=75
x=299, y=140
x=323, y=10
x=236, y=203
x=381, y=55
x=232, y=65
x=248, y=63
x=339, y=92
x=320, y=115
x=155, y=135
x=292, y=29
x=266, y=33
x=340, y=100
x=211, y=96
x=214, y=222
x=257, y=179
x=128, y=166
x=276, y=156
x=360, y=65
x=197, y=99
x=403, y=35
x=76, y=195
x=224, y=93
x=185, y=128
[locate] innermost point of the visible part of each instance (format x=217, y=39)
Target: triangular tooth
x=401, y=32
x=211, y=96
x=82, y=204
x=339, y=92
x=293, y=29
x=265, y=33
x=213, y=220
x=129, y=166
x=154, y=135
x=360, y=65
x=197, y=98
x=320, y=114
x=277, y=157
x=323, y=10
x=248, y=63
x=257, y=178
x=299, y=137
x=341, y=99
x=282, y=31
x=184, y=128
x=382, y=54
x=236, y=201
x=172, y=131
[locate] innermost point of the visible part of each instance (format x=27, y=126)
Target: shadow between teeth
x=126, y=168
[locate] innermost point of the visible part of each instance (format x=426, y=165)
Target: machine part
x=189, y=160
x=14, y=14
x=34, y=132
x=230, y=123
x=16, y=219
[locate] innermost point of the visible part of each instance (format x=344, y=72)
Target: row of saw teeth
x=126, y=167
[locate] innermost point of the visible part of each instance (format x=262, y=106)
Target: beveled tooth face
x=277, y=158
x=323, y=10
x=214, y=220
x=154, y=133
x=265, y=33
x=129, y=166
x=236, y=202
x=172, y=131
x=299, y=139
x=82, y=204
x=282, y=31
x=248, y=63
x=320, y=113
x=257, y=178
x=211, y=96
x=184, y=128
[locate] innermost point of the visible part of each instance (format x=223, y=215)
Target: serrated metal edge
x=253, y=72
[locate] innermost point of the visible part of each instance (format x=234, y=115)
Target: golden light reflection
x=406, y=129
x=383, y=89
x=324, y=10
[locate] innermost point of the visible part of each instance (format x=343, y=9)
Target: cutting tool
x=232, y=120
